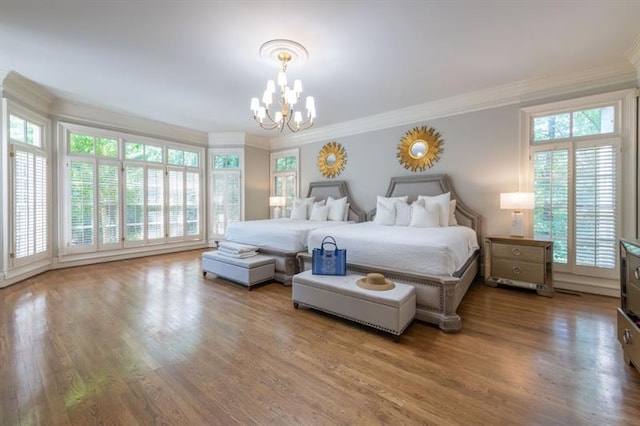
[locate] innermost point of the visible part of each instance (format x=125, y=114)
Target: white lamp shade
x=517, y=201
x=277, y=201
x=255, y=104
x=271, y=86
x=297, y=86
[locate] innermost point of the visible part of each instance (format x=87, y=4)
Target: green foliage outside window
x=182, y=158
x=107, y=147
x=595, y=121
x=286, y=164
x=230, y=161
x=16, y=128
x=83, y=144
x=24, y=131
x=134, y=151
x=153, y=153
x=175, y=156
x=190, y=159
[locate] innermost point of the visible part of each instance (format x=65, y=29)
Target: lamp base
x=276, y=212
x=517, y=224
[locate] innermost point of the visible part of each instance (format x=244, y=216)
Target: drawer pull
x=626, y=336
x=636, y=273
x=516, y=270
x=516, y=251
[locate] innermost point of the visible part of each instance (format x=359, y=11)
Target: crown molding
x=227, y=139
x=79, y=113
x=634, y=55
x=506, y=94
x=18, y=87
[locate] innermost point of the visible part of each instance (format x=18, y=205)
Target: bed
x=283, y=239
x=441, y=271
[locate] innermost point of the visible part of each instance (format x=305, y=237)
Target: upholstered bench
x=248, y=271
x=390, y=310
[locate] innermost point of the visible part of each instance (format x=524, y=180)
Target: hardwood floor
x=150, y=341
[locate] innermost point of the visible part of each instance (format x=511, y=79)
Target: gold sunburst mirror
x=419, y=148
x=332, y=159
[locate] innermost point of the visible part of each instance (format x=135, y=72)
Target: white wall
x=480, y=153
x=256, y=183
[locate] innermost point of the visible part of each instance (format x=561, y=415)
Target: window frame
x=274, y=156
x=35, y=260
x=239, y=172
x=626, y=159
x=65, y=129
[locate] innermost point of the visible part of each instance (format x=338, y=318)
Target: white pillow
x=442, y=201
x=298, y=211
x=386, y=204
x=452, y=213
x=319, y=213
x=403, y=213
x=346, y=213
x=425, y=216
x=385, y=214
x=336, y=208
x=308, y=202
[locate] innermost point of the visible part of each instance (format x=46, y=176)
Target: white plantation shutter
x=551, y=194
x=155, y=203
x=40, y=204
x=134, y=203
x=595, y=171
x=118, y=192
x=29, y=205
x=108, y=204
x=226, y=199
x=176, y=203
x=192, y=188
x=82, y=189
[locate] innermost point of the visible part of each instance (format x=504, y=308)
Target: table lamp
x=277, y=203
x=516, y=202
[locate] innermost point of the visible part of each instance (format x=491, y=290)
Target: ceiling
x=196, y=63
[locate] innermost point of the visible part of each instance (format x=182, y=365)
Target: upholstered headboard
x=336, y=189
x=412, y=186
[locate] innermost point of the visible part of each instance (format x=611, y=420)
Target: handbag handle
x=332, y=241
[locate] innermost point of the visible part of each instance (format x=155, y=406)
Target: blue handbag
x=327, y=261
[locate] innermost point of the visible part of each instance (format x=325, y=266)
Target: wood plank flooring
x=152, y=341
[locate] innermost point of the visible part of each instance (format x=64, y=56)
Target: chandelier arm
x=304, y=125
x=266, y=126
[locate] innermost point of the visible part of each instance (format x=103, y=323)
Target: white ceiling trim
x=89, y=115
x=20, y=88
x=634, y=55
x=506, y=94
x=226, y=139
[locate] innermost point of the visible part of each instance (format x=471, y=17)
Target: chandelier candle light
x=288, y=97
x=517, y=201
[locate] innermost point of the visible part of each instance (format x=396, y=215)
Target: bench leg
x=295, y=305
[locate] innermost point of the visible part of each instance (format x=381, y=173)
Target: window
x=576, y=163
x=594, y=121
x=24, y=131
x=121, y=193
x=29, y=212
x=284, y=177
x=226, y=190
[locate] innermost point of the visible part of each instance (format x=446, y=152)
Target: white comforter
x=282, y=234
x=428, y=251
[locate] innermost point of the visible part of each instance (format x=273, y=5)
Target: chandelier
x=285, y=111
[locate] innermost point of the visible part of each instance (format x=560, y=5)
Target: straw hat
x=376, y=282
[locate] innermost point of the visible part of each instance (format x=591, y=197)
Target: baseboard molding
x=587, y=288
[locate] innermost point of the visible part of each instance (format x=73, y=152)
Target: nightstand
x=520, y=262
